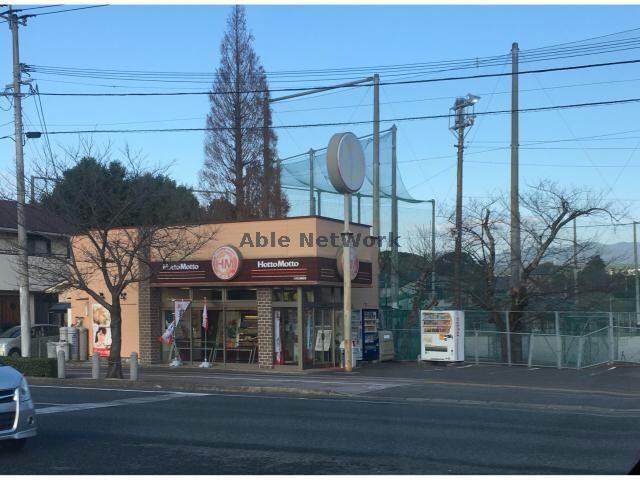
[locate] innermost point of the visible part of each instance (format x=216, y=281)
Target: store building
x=272, y=290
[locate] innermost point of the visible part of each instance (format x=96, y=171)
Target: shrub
x=33, y=367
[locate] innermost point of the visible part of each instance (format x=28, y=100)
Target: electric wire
x=359, y=122
x=333, y=87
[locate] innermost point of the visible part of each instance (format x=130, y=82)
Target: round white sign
x=345, y=162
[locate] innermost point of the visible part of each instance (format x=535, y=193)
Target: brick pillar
x=265, y=328
x=149, y=323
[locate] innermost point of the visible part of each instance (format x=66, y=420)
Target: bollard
x=133, y=367
x=95, y=367
x=60, y=364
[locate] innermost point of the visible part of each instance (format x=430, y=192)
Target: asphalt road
x=450, y=429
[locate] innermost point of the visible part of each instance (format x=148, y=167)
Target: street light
x=462, y=119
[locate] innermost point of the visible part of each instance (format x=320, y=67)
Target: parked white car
x=17, y=415
x=40, y=335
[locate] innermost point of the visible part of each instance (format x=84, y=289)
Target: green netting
x=295, y=171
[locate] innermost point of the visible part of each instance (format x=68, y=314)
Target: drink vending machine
x=365, y=325
x=370, y=336
x=442, y=335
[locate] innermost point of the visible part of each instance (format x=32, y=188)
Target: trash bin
x=51, y=349
x=73, y=341
x=82, y=344
x=64, y=346
x=353, y=355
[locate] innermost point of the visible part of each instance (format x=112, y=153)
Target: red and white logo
x=355, y=263
x=226, y=262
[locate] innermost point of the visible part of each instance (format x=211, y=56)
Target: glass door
x=324, y=352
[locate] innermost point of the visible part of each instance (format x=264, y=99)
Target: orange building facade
x=272, y=291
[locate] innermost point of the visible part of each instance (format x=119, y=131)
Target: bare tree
x=546, y=208
x=117, y=228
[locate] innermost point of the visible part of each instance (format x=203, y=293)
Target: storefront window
x=213, y=294
x=241, y=294
x=285, y=294
x=241, y=344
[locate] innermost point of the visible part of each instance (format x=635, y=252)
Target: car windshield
x=13, y=332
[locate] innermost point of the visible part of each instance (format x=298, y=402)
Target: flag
x=180, y=306
x=167, y=336
x=205, y=316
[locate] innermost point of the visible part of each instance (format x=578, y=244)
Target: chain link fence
x=534, y=339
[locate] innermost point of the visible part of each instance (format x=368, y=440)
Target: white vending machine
x=442, y=335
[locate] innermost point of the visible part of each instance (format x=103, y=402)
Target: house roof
x=38, y=220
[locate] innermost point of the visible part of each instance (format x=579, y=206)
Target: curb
x=187, y=387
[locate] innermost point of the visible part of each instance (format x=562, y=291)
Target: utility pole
x=376, y=158
x=635, y=272
x=462, y=120
x=23, y=254
x=516, y=260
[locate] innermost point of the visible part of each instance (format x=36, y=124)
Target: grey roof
x=37, y=219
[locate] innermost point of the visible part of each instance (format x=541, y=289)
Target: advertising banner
x=179, y=307
x=101, y=330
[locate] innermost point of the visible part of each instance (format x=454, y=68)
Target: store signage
x=180, y=267
x=226, y=262
x=278, y=264
x=267, y=271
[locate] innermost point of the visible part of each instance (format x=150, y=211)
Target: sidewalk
x=405, y=379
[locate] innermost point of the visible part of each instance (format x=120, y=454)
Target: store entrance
x=286, y=322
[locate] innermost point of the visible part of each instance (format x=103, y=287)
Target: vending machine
x=370, y=336
x=356, y=334
x=442, y=335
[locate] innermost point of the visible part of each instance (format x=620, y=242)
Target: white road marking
x=612, y=368
x=466, y=366
x=74, y=407
x=194, y=394
x=258, y=378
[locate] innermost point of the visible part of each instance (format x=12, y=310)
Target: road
x=439, y=429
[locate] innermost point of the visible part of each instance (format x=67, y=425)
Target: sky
x=299, y=37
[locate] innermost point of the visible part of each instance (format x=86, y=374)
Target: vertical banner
x=277, y=341
x=101, y=330
x=179, y=307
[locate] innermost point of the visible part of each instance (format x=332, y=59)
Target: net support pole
x=359, y=217
x=319, y=202
x=395, y=287
x=312, y=203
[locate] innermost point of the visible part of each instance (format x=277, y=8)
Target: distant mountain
x=615, y=254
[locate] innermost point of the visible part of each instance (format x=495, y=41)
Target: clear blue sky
x=187, y=38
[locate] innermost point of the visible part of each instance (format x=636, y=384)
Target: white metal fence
x=552, y=339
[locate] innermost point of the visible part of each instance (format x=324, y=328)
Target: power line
x=357, y=122
x=63, y=11
x=545, y=53
x=331, y=87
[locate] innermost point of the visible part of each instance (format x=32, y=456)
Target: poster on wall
x=277, y=347
x=233, y=332
x=101, y=330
